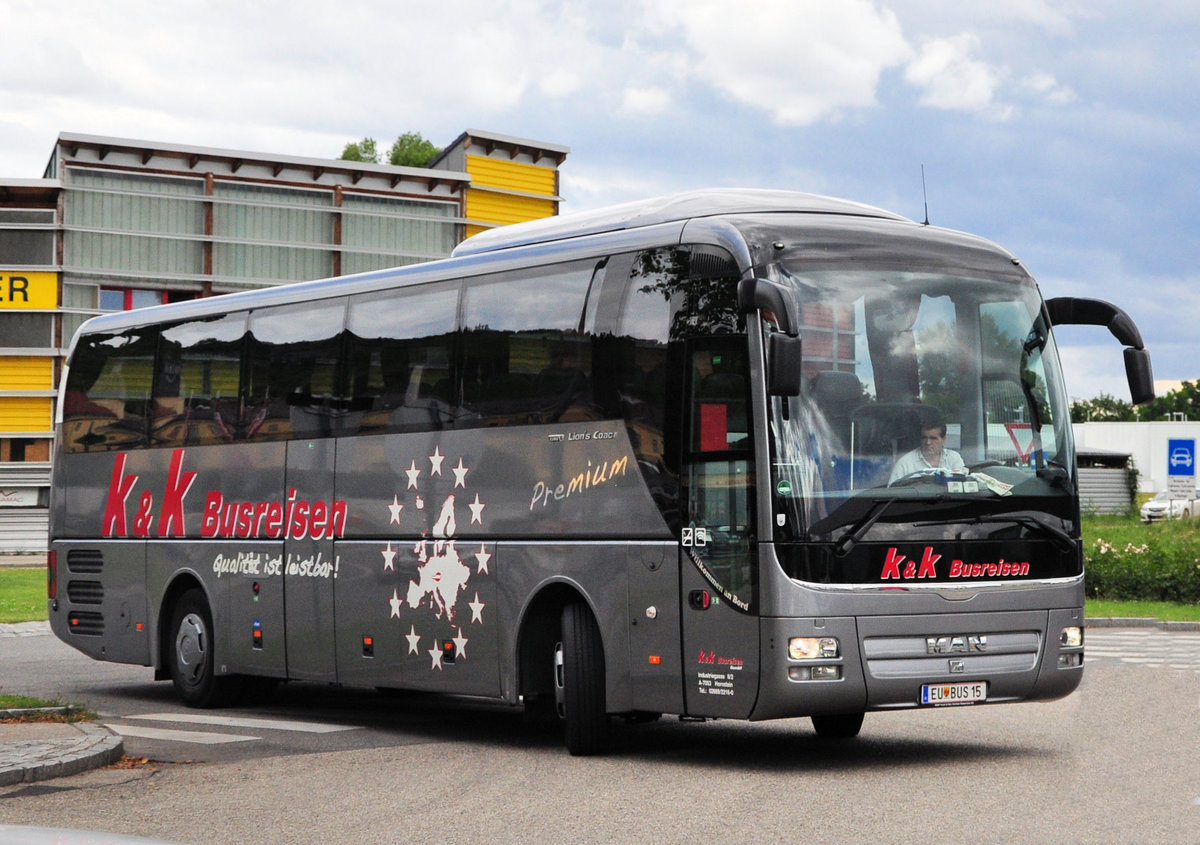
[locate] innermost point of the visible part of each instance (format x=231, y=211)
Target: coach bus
x=630, y=462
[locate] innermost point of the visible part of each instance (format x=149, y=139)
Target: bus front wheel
x=579, y=681
x=190, y=653
x=838, y=726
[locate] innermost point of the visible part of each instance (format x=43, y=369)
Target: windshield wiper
x=848, y=540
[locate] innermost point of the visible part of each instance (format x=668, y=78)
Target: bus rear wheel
x=838, y=725
x=190, y=654
x=579, y=682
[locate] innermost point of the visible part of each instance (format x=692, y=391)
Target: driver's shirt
x=914, y=461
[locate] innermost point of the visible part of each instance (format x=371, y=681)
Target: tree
x=409, y=150
x=1104, y=408
x=412, y=150
x=364, y=150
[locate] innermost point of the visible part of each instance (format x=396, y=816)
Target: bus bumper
x=856, y=664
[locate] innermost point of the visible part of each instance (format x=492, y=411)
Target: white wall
x=1146, y=441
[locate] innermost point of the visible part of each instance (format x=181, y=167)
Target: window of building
x=127, y=299
x=26, y=246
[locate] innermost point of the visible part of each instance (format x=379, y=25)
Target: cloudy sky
x=1066, y=130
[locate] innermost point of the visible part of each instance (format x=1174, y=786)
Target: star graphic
x=460, y=645
x=389, y=558
x=413, y=638
x=436, y=654
x=476, y=510
x=460, y=474
x=413, y=474
x=395, y=602
x=476, y=609
x=483, y=556
x=395, y=507
x=436, y=461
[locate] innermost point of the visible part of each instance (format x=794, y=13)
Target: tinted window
x=401, y=352
x=107, y=399
x=526, y=358
x=291, y=388
x=196, y=396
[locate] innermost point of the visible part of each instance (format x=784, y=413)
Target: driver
x=932, y=454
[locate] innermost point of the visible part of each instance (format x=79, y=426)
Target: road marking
x=242, y=722
x=200, y=737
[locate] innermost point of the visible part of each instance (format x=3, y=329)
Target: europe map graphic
x=443, y=578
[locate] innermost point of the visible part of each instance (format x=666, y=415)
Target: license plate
x=954, y=693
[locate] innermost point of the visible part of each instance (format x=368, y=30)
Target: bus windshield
x=928, y=396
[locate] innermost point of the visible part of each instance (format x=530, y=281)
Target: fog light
x=826, y=673
x=1071, y=637
x=812, y=648
x=1069, y=661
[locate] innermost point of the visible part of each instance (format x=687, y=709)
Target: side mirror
x=1073, y=311
x=761, y=295
x=1141, y=379
x=784, y=372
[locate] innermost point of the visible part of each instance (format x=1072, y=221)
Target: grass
x=23, y=594
x=23, y=702
x=73, y=713
x=1170, y=611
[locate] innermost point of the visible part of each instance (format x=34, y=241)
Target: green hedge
x=1126, y=560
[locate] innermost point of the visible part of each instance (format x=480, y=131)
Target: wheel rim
x=191, y=646
x=560, y=692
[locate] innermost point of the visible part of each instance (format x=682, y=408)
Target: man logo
x=956, y=645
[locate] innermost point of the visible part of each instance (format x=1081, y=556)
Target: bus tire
x=190, y=655
x=579, y=676
x=838, y=725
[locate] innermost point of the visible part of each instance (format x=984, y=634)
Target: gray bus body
x=622, y=463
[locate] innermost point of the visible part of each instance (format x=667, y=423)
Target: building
x=115, y=224
x=1149, y=445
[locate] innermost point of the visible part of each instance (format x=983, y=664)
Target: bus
x=622, y=463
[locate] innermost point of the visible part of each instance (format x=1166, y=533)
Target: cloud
x=801, y=61
x=950, y=76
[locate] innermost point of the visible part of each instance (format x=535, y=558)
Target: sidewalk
x=31, y=751
x=27, y=560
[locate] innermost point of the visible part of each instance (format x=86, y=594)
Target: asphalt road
x=1118, y=761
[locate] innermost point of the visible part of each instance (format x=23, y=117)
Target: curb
x=29, y=760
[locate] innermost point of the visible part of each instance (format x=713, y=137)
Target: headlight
x=1071, y=637
x=813, y=648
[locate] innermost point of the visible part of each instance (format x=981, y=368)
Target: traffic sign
x=1181, y=468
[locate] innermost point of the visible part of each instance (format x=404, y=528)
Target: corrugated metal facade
x=26, y=373
x=1104, y=490
x=25, y=414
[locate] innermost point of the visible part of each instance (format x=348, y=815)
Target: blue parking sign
x=1181, y=457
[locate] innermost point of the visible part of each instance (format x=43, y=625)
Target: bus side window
x=525, y=358
x=292, y=387
x=400, y=359
x=107, y=396
x=196, y=388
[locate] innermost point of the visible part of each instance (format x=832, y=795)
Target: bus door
x=309, y=567
x=717, y=571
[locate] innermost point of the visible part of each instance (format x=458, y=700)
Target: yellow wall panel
x=26, y=373
x=511, y=175
x=490, y=207
x=22, y=414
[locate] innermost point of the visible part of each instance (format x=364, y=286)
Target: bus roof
x=665, y=209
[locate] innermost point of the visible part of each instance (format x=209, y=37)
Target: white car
x=1163, y=506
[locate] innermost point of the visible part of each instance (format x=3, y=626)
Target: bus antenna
x=924, y=196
